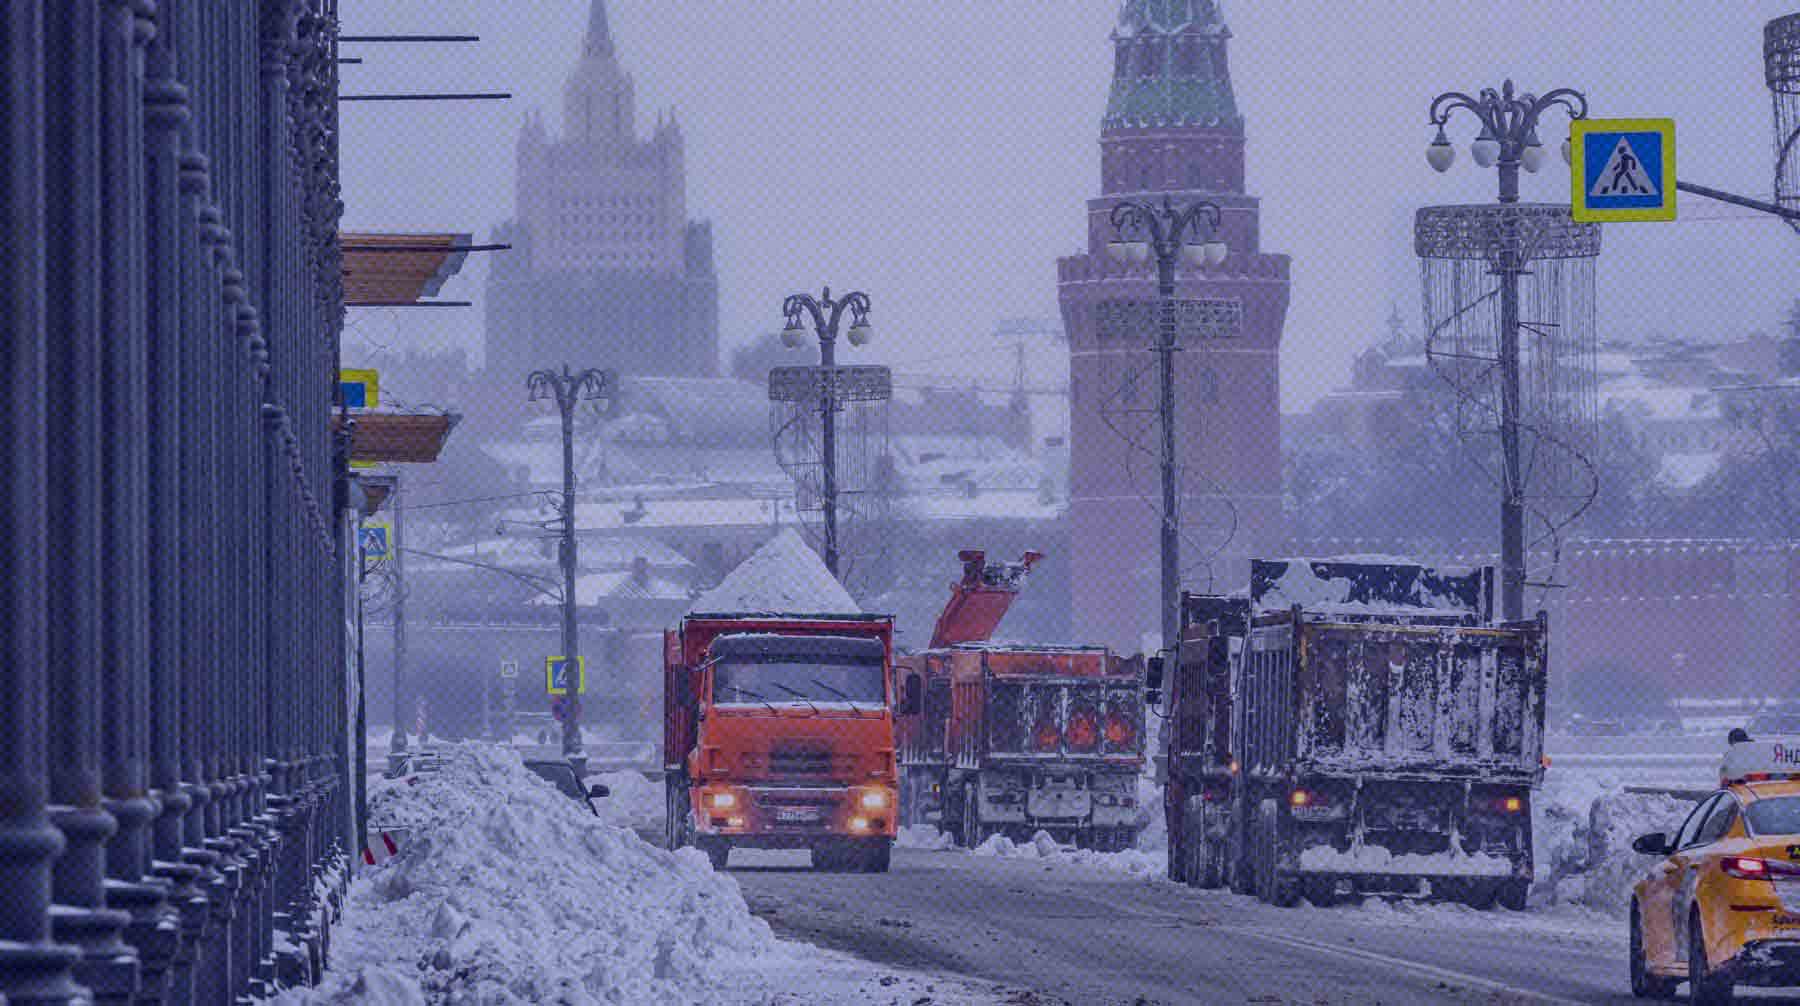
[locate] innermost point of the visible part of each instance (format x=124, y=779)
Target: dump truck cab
x=780, y=736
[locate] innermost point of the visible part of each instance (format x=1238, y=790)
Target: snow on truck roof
x=1761, y=760
x=783, y=576
x=1360, y=586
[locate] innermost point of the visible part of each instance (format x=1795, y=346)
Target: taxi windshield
x=1775, y=816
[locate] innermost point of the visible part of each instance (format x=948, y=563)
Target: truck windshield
x=1775, y=816
x=777, y=681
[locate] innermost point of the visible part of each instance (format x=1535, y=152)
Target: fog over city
x=939, y=155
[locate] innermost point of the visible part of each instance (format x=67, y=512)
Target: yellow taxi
x=1722, y=908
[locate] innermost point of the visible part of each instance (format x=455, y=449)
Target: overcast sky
x=937, y=154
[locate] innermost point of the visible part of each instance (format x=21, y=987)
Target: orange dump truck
x=778, y=734
x=1011, y=740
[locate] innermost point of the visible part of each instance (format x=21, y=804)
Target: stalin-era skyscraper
x=1172, y=128
x=605, y=269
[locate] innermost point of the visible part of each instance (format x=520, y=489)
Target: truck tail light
x=1119, y=731
x=1082, y=735
x=1499, y=804
x=1046, y=737
x=1300, y=798
x=1744, y=868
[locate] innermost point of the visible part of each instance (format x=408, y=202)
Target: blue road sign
x=1624, y=169
x=374, y=541
x=565, y=676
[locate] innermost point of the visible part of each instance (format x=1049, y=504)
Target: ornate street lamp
x=825, y=315
x=1507, y=237
x=1169, y=234
x=567, y=389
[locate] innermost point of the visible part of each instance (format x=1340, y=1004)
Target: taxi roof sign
x=1758, y=761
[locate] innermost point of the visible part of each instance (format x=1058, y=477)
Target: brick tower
x=1172, y=128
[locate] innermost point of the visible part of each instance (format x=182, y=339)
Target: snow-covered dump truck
x=1014, y=739
x=1359, y=725
x=778, y=731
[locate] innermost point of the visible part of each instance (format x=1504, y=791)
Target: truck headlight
x=723, y=801
x=876, y=799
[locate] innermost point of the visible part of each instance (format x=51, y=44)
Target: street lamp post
x=825, y=314
x=1509, y=141
x=567, y=389
x=1163, y=231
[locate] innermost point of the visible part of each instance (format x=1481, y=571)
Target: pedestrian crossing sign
x=1623, y=169
x=375, y=539
x=361, y=388
x=565, y=675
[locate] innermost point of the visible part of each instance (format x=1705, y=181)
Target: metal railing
x=174, y=807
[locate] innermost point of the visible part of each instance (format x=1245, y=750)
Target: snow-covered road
x=1080, y=933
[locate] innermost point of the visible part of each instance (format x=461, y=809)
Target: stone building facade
x=606, y=269
x=1171, y=129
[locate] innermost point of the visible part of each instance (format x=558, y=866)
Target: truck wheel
x=675, y=820
x=1320, y=891
x=1513, y=895
x=1282, y=892
x=1179, y=856
x=1709, y=987
x=827, y=858
x=971, y=818
x=877, y=856
x=717, y=852
x=1212, y=864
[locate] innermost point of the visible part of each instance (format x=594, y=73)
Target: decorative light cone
x=1214, y=253
x=792, y=337
x=1440, y=155
x=860, y=333
x=1194, y=254
x=1532, y=157
x=1486, y=148
x=1568, y=152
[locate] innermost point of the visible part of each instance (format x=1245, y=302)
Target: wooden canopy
x=385, y=270
x=398, y=438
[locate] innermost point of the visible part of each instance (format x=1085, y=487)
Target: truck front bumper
x=795, y=817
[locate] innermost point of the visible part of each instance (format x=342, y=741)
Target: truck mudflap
x=1075, y=803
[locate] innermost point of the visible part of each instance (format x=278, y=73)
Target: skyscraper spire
x=599, y=35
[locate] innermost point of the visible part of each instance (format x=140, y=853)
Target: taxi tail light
x=1751, y=868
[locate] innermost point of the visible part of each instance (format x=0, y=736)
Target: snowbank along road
x=1086, y=930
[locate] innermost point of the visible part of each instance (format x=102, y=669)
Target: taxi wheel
x=1645, y=985
x=1514, y=894
x=1706, y=986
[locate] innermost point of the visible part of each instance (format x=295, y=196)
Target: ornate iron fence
x=174, y=805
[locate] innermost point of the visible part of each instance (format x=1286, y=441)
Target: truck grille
x=797, y=759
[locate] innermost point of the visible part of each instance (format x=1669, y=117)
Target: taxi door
x=1720, y=813
x=1663, y=901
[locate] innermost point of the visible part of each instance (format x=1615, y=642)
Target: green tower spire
x=1170, y=67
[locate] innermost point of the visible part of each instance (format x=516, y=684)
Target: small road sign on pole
x=375, y=540
x=509, y=668
x=361, y=388
x=1623, y=170
x=565, y=676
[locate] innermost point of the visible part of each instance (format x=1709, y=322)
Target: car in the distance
x=562, y=775
x=1721, y=908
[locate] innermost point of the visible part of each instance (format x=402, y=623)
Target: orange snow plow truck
x=778, y=735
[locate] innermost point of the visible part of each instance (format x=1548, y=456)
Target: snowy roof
x=593, y=588
x=782, y=576
x=1685, y=471
x=1653, y=400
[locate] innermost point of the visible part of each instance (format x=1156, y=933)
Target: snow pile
x=506, y=891
x=1583, y=826
x=923, y=837
x=1375, y=859
x=782, y=577
x=634, y=801
x=1153, y=827
x=1044, y=848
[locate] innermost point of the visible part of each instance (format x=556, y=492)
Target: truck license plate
x=797, y=815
